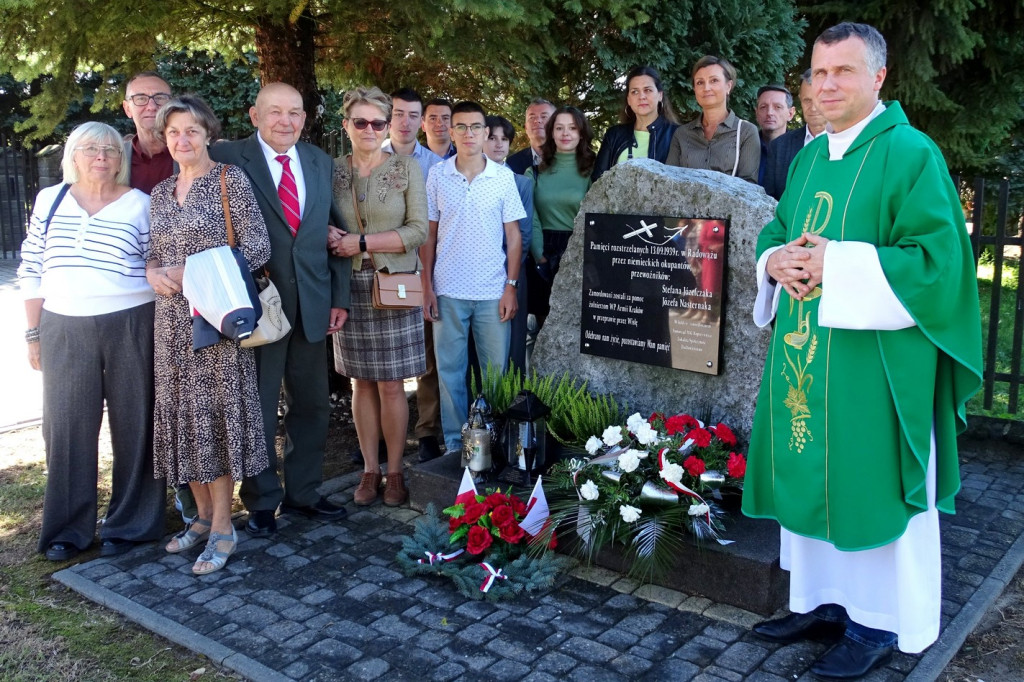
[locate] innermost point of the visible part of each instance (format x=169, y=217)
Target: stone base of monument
x=745, y=574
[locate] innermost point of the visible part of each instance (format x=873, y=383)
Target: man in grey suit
x=783, y=149
x=292, y=183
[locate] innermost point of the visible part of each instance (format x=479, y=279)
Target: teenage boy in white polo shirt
x=470, y=262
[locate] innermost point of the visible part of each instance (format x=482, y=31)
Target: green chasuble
x=842, y=430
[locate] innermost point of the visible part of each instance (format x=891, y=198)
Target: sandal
x=211, y=555
x=188, y=537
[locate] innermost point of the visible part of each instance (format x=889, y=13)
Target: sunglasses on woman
x=361, y=123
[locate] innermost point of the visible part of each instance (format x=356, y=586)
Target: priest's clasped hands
x=798, y=265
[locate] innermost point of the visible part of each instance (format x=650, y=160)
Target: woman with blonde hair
x=383, y=200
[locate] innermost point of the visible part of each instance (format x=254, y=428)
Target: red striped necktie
x=289, y=194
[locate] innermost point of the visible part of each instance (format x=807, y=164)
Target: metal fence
x=998, y=241
x=19, y=172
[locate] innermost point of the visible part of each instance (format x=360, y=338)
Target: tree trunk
x=287, y=54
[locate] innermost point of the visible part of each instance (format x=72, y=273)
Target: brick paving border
x=323, y=601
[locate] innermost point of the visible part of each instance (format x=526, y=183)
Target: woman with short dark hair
x=646, y=124
x=208, y=429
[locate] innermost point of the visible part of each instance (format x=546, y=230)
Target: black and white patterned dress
x=207, y=418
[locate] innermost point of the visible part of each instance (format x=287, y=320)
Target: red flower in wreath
x=725, y=435
x=655, y=417
x=694, y=465
x=737, y=465
x=502, y=516
x=496, y=500
x=454, y=523
x=701, y=437
x=479, y=540
x=677, y=424
x=473, y=512
x=518, y=506
x=512, y=533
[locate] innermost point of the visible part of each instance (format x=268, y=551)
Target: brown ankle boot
x=394, y=490
x=366, y=493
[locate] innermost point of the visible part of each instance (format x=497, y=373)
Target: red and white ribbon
x=492, y=575
x=679, y=487
x=439, y=557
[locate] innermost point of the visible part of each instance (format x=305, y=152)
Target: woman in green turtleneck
x=559, y=188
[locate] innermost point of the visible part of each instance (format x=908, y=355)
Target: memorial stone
x=647, y=188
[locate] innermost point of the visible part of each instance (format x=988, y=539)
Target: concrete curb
x=956, y=632
x=168, y=629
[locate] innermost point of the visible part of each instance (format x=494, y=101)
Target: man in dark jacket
x=783, y=149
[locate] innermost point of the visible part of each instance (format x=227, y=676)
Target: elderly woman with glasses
x=383, y=201
x=90, y=332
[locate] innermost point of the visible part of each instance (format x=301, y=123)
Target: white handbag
x=273, y=325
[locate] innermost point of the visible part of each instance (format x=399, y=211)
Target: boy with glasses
x=470, y=280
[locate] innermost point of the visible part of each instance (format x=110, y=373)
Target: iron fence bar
x=994, y=299
x=976, y=217
x=1018, y=313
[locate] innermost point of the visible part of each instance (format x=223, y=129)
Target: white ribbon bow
x=431, y=557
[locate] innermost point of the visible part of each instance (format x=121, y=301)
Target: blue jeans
x=834, y=613
x=456, y=317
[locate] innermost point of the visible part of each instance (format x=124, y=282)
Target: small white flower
x=593, y=445
x=634, y=422
x=629, y=514
x=673, y=473
x=589, y=491
x=640, y=454
x=628, y=461
x=645, y=434
x=612, y=435
x=698, y=509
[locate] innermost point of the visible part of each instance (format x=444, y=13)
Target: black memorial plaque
x=653, y=289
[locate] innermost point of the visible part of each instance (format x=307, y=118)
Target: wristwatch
x=362, y=243
x=514, y=283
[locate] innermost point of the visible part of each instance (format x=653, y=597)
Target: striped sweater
x=87, y=265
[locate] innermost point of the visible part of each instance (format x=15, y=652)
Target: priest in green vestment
x=868, y=274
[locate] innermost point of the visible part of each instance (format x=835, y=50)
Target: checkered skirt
x=378, y=345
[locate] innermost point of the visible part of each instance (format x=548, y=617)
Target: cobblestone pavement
x=324, y=601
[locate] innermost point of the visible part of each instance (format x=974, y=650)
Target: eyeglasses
x=93, y=150
x=462, y=128
x=361, y=123
x=161, y=98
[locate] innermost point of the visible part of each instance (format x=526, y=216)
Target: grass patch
x=48, y=632
x=1006, y=315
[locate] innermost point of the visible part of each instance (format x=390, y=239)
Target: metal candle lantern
x=526, y=427
x=477, y=438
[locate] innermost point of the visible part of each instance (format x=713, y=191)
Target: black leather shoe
x=261, y=523
x=61, y=551
x=850, y=660
x=429, y=448
x=797, y=626
x=115, y=546
x=321, y=509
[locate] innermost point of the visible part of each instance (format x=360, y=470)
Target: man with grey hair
x=150, y=162
x=868, y=274
x=782, y=150
x=537, y=115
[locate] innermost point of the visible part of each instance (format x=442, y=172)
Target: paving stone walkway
x=324, y=601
